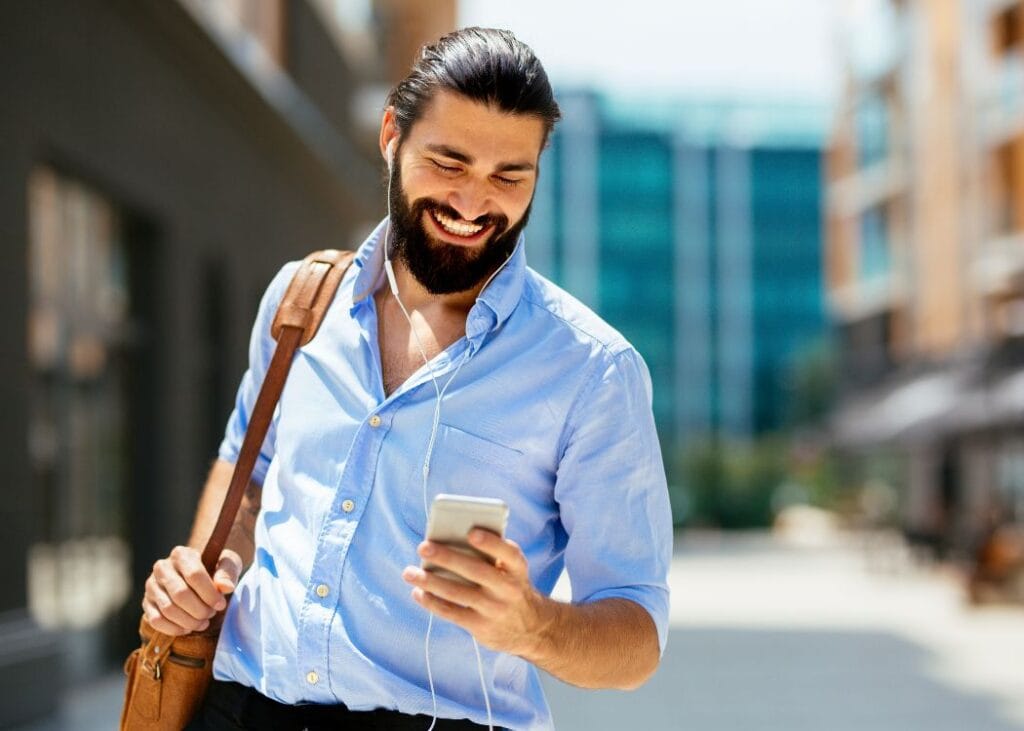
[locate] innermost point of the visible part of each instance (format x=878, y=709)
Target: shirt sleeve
x=612, y=493
x=261, y=350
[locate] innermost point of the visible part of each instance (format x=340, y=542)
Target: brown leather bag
x=168, y=676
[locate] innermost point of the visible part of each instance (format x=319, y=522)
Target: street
x=767, y=636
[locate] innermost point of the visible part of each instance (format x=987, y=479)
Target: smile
x=460, y=229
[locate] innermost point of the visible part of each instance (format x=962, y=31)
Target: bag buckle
x=154, y=669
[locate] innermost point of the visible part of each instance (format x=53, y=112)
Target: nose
x=470, y=199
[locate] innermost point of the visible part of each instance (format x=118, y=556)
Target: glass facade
x=708, y=253
x=636, y=290
x=788, y=303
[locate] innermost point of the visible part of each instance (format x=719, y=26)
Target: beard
x=444, y=268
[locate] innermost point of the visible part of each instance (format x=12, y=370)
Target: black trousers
x=231, y=707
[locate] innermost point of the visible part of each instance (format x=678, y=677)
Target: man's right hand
x=181, y=597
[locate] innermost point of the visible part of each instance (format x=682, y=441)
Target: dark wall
x=315, y=64
x=133, y=98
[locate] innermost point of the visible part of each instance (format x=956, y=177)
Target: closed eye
x=444, y=168
x=508, y=182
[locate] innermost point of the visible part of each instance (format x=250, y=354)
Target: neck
x=416, y=297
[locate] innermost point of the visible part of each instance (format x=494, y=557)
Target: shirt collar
x=493, y=306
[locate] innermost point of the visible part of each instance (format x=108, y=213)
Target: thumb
x=225, y=577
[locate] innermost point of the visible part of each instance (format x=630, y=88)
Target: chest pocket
x=462, y=464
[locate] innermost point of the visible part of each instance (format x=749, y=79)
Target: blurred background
x=808, y=216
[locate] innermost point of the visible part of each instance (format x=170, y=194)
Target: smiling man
x=459, y=371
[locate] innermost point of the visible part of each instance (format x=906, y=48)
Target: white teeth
x=457, y=227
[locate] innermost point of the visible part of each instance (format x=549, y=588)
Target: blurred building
x=161, y=160
x=694, y=227
x=925, y=258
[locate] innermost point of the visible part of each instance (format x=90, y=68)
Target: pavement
x=843, y=633
x=839, y=633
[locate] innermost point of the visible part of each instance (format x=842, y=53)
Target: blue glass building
x=695, y=229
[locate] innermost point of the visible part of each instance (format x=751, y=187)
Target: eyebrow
x=505, y=167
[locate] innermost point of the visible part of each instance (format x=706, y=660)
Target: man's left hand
x=503, y=611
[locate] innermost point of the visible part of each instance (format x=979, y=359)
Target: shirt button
x=375, y=421
x=348, y=506
x=323, y=590
x=312, y=678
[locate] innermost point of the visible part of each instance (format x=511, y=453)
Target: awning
x=915, y=410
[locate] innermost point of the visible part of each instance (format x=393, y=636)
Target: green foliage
x=743, y=484
x=725, y=483
x=811, y=384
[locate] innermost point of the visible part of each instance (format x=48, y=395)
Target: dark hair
x=484, y=64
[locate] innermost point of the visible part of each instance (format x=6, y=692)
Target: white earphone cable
x=439, y=394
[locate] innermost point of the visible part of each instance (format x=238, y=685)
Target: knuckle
x=193, y=574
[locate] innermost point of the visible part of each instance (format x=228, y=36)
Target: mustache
x=424, y=205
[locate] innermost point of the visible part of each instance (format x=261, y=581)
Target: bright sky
x=763, y=48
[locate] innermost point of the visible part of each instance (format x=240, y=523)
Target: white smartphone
x=451, y=519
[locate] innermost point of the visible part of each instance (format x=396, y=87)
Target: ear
x=388, y=135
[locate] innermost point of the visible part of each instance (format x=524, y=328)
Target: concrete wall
x=135, y=99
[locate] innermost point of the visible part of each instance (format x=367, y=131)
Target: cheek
x=517, y=203
x=421, y=182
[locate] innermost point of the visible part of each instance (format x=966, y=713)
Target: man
x=474, y=375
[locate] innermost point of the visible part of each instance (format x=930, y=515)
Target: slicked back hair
x=486, y=65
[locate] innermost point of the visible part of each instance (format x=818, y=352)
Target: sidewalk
x=770, y=637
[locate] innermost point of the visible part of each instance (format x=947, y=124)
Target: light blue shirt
x=550, y=411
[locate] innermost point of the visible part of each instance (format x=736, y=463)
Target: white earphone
x=439, y=393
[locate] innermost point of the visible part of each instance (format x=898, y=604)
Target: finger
x=470, y=567
x=462, y=616
x=190, y=567
x=170, y=612
x=506, y=553
x=158, y=622
x=229, y=567
x=181, y=594
x=448, y=589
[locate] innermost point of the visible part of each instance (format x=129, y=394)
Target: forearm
x=610, y=643
x=241, y=539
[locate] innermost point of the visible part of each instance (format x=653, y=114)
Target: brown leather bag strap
x=295, y=323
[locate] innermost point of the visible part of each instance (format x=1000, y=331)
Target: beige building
x=925, y=256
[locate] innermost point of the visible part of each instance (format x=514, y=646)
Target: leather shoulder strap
x=296, y=321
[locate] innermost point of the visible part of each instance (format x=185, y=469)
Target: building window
x=872, y=119
x=78, y=302
x=875, y=249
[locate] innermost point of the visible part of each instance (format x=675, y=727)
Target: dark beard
x=444, y=268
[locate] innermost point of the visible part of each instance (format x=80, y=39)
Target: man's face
x=461, y=187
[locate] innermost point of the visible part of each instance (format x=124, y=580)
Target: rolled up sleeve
x=612, y=493
x=261, y=350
